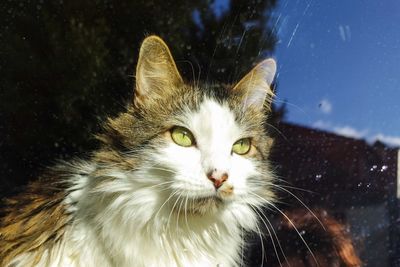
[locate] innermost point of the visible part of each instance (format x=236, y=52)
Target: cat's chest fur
x=159, y=231
x=146, y=240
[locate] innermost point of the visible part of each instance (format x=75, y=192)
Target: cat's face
x=206, y=147
x=221, y=160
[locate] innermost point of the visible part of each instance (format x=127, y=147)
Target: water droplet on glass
x=373, y=168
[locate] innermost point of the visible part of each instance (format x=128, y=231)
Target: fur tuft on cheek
x=184, y=164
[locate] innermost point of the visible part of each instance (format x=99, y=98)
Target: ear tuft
x=156, y=71
x=255, y=86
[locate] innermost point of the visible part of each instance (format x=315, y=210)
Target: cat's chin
x=200, y=206
x=207, y=204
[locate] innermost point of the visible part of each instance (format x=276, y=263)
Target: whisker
x=297, y=188
x=277, y=100
x=298, y=199
x=262, y=246
x=191, y=65
x=165, y=202
x=186, y=219
x=172, y=211
x=241, y=247
x=269, y=232
x=291, y=223
x=161, y=184
x=179, y=209
x=276, y=236
x=277, y=130
x=287, y=184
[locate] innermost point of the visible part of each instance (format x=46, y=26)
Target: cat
x=179, y=178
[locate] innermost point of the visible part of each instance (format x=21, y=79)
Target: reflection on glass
x=66, y=65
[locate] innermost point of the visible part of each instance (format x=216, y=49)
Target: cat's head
x=203, y=147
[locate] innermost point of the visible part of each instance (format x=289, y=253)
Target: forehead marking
x=214, y=120
x=215, y=129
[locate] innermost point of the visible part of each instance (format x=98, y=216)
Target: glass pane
x=66, y=66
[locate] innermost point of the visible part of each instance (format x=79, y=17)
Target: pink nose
x=217, y=178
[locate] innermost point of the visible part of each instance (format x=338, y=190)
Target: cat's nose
x=217, y=178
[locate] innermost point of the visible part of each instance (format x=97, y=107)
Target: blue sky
x=339, y=66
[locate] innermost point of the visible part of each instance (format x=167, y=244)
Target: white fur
x=128, y=220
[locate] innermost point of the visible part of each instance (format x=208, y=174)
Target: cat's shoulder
x=35, y=217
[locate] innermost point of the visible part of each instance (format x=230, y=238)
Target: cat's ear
x=255, y=87
x=156, y=72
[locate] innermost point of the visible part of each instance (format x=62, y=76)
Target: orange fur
x=32, y=221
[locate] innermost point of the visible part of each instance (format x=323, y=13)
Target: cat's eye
x=182, y=136
x=242, y=146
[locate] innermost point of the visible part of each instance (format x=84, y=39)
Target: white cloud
x=348, y=131
x=343, y=130
x=325, y=106
x=387, y=139
x=323, y=125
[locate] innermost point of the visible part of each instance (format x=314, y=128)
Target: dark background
x=67, y=65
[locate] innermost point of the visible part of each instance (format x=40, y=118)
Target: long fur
x=142, y=200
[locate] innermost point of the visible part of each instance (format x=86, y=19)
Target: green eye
x=242, y=146
x=182, y=136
